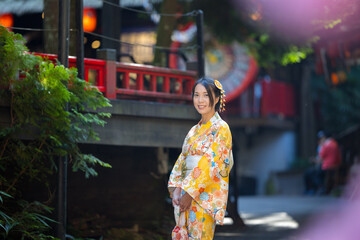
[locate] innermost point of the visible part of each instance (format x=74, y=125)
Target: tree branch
x=24, y=169
x=11, y=122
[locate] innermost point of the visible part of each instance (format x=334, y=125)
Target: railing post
x=109, y=55
x=153, y=83
x=140, y=81
x=126, y=80
x=166, y=84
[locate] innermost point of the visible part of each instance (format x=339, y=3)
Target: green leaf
x=4, y=194
x=5, y=217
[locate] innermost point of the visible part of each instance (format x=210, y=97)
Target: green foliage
x=53, y=110
x=295, y=54
x=11, y=51
x=269, y=53
x=339, y=104
x=28, y=220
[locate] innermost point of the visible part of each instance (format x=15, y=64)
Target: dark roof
x=35, y=6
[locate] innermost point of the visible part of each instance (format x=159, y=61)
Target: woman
x=199, y=181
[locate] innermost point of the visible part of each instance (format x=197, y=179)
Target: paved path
x=275, y=217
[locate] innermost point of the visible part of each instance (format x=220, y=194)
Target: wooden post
x=79, y=39
x=111, y=25
x=109, y=55
x=200, y=42
x=63, y=56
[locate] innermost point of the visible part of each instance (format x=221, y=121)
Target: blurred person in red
x=330, y=158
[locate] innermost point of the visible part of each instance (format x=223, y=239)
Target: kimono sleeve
x=176, y=175
x=175, y=178
x=208, y=183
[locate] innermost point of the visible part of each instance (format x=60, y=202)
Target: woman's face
x=202, y=101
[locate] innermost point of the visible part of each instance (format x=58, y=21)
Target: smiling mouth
x=201, y=106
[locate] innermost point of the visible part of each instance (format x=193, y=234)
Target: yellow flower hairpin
x=222, y=95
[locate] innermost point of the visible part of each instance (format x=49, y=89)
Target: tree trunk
x=111, y=26
x=72, y=40
x=165, y=29
x=307, y=128
x=51, y=21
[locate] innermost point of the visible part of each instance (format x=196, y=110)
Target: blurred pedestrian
x=322, y=177
x=199, y=180
x=330, y=158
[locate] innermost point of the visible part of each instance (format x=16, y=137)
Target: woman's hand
x=176, y=197
x=185, y=202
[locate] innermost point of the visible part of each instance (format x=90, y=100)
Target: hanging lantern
x=89, y=20
x=334, y=78
x=6, y=20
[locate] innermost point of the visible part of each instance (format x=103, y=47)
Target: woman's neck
x=206, y=117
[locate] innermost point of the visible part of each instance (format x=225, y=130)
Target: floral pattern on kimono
x=208, y=182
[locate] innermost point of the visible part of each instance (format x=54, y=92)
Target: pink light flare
x=295, y=19
x=341, y=222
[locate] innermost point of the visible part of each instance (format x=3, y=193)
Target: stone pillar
x=109, y=55
x=163, y=160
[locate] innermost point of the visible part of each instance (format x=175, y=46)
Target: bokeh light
x=89, y=20
x=6, y=20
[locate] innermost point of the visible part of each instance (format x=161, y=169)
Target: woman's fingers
x=176, y=201
x=176, y=197
x=184, y=208
x=185, y=202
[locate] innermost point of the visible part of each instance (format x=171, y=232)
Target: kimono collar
x=212, y=120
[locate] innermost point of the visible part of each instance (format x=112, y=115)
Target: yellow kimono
x=202, y=170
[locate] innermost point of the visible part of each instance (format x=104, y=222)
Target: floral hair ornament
x=222, y=95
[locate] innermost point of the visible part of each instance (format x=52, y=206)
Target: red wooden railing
x=135, y=81
x=154, y=82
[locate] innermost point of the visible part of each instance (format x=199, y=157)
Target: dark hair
x=325, y=134
x=210, y=87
